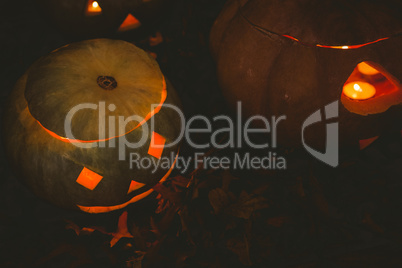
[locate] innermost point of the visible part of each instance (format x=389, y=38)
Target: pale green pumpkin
x=44, y=95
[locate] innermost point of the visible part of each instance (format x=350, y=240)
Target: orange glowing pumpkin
x=291, y=58
x=95, y=86
x=103, y=18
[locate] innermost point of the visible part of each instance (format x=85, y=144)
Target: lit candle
x=93, y=8
x=366, y=69
x=359, y=90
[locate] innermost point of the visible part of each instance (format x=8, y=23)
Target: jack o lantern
x=102, y=18
x=105, y=90
x=292, y=58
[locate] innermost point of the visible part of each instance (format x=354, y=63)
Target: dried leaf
x=122, y=230
x=218, y=199
x=155, y=40
x=136, y=261
x=170, y=194
x=180, y=181
x=227, y=178
x=154, y=227
x=85, y=230
x=246, y=205
x=368, y=220
x=241, y=248
x=277, y=221
x=318, y=195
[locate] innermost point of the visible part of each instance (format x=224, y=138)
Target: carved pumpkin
x=91, y=169
x=102, y=18
x=292, y=58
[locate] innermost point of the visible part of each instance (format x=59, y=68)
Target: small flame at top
x=357, y=88
x=93, y=8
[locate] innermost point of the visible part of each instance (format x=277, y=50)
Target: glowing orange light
x=365, y=143
x=291, y=37
x=156, y=146
x=147, y=117
x=93, y=8
x=354, y=46
x=129, y=23
x=359, y=90
x=370, y=90
x=100, y=209
x=134, y=186
x=89, y=179
x=366, y=69
x=335, y=47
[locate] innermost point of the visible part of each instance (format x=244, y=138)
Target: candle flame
x=370, y=89
x=93, y=8
x=357, y=87
x=359, y=90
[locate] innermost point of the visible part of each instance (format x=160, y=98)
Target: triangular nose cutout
x=370, y=89
x=93, y=8
x=129, y=23
x=134, y=186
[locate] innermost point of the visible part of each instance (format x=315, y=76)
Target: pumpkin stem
x=107, y=82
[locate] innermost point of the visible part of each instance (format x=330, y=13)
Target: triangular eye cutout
x=93, y=8
x=89, y=179
x=129, y=23
x=370, y=89
x=157, y=144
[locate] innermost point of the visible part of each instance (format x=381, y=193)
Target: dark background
x=308, y=216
